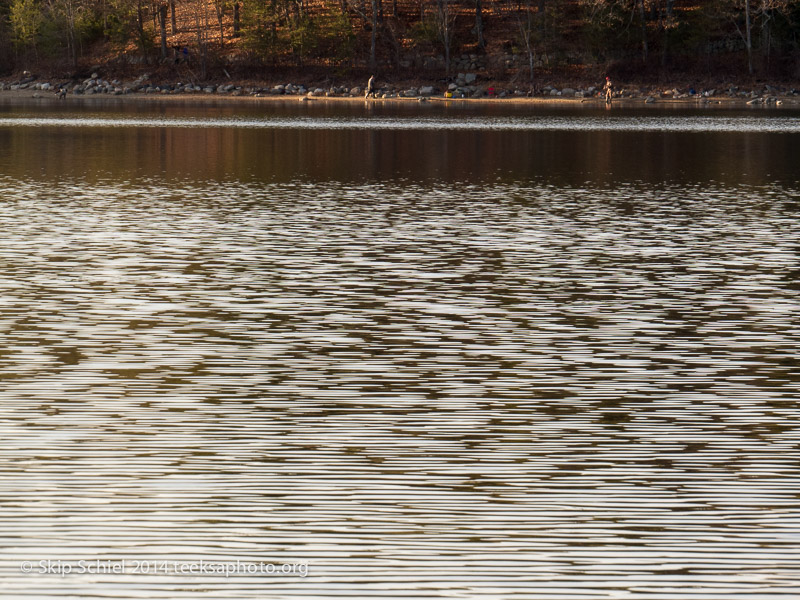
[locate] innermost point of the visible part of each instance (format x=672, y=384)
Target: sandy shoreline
x=34, y=96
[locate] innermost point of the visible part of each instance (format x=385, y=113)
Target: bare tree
x=667, y=23
x=528, y=29
x=373, y=63
x=199, y=12
x=68, y=12
x=643, y=24
x=445, y=22
x=478, y=29
x=748, y=36
x=372, y=19
x=219, y=8
x=767, y=11
x=739, y=13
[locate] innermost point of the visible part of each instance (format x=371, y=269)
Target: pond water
x=426, y=351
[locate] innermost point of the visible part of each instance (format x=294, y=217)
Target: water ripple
x=486, y=391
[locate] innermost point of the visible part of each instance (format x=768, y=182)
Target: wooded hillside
x=504, y=38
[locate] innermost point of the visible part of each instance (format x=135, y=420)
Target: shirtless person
x=370, y=88
x=608, y=88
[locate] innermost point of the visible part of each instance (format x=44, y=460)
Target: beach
x=139, y=91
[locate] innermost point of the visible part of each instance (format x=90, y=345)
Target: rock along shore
x=464, y=86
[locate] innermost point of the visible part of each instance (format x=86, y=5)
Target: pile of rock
x=514, y=61
x=21, y=84
x=767, y=100
x=96, y=85
x=465, y=86
x=469, y=62
x=569, y=92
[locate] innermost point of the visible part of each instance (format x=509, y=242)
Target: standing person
x=608, y=89
x=370, y=88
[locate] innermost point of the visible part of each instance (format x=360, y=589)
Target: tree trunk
x=526, y=29
x=236, y=20
x=530, y=64
x=202, y=27
x=666, y=25
x=73, y=46
x=749, y=40
x=373, y=64
x=140, y=31
x=220, y=16
x=443, y=14
x=479, y=24
x=172, y=15
x=644, y=30
x=766, y=33
x=162, y=25
x=542, y=18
